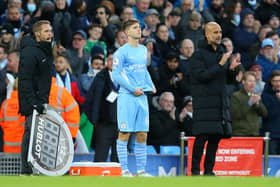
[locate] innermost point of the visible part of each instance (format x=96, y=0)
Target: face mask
x=252, y=2
x=95, y=71
x=236, y=18
x=31, y=7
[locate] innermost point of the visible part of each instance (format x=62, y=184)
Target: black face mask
x=16, y=23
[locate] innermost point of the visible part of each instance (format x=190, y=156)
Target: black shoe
x=211, y=173
x=195, y=173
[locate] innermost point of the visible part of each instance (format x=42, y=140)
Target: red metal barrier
x=238, y=156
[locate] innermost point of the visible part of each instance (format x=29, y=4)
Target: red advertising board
x=238, y=156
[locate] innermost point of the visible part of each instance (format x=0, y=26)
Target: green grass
x=66, y=181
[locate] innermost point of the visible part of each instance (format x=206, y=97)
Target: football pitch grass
x=67, y=181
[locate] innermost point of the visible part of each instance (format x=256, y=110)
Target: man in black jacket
x=34, y=75
x=101, y=109
x=209, y=71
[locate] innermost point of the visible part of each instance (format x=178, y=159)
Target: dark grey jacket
x=208, y=89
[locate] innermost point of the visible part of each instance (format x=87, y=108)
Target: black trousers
x=1, y=140
x=105, y=138
x=209, y=162
x=25, y=167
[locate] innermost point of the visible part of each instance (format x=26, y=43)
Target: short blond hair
x=38, y=25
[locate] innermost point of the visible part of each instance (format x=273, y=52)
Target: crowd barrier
x=175, y=165
x=237, y=156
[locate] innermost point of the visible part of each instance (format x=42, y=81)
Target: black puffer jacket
x=35, y=70
x=208, y=89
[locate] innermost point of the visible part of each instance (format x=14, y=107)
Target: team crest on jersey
x=123, y=125
x=115, y=61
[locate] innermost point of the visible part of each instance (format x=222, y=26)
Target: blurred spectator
x=228, y=44
x=217, y=10
x=126, y=13
x=257, y=69
x=187, y=7
x=12, y=123
x=7, y=38
x=3, y=6
x=101, y=110
x=152, y=65
x=3, y=57
x=64, y=103
x=47, y=12
x=78, y=57
x=186, y=51
x=97, y=50
x=194, y=30
x=102, y=15
x=244, y=37
x=163, y=43
x=12, y=70
x=233, y=18
x=114, y=18
x=139, y=11
x=266, y=9
x=78, y=10
x=251, y=4
x=235, y=84
x=155, y=62
x=15, y=3
x=274, y=36
x=163, y=7
x=120, y=40
x=185, y=116
x=164, y=129
x=62, y=24
x=172, y=79
x=255, y=48
x=172, y=22
x=271, y=99
x=274, y=22
x=14, y=18
x=86, y=79
x=265, y=59
x=65, y=78
x=95, y=32
x=151, y=20
x=246, y=107
x=13, y=63
x=31, y=8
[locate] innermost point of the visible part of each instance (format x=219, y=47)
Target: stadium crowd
x=86, y=34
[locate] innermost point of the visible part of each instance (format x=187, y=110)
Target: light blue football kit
x=130, y=72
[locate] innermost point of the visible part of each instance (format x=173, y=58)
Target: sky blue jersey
x=130, y=69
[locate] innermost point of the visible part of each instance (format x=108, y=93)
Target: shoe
x=209, y=174
x=144, y=174
x=126, y=173
x=195, y=174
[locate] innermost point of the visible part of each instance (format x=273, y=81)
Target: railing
x=184, y=138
